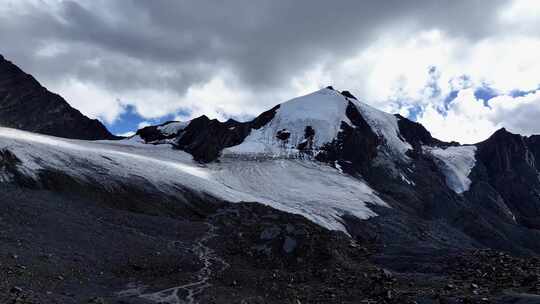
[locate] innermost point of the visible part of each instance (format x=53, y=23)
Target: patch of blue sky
x=485, y=93
x=130, y=120
x=519, y=93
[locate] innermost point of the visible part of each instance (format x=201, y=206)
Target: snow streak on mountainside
x=385, y=125
x=456, y=163
x=315, y=191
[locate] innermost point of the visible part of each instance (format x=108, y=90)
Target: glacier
x=315, y=191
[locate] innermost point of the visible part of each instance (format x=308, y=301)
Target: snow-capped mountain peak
x=313, y=120
x=322, y=112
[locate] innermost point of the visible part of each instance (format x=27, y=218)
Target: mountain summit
x=26, y=105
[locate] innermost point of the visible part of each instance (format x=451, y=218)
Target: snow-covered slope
x=107, y=163
x=385, y=125
x=315, y=190
x=318, y=192
x=456, y=163
x=323, y=111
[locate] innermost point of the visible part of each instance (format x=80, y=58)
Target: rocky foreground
x=230, y=253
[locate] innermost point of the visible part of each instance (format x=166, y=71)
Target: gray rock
x=290, y=228
x=289, y=245
x=270, y=233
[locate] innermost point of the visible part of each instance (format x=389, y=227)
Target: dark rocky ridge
x=205, y=138
x=499, y=211
x=417, y=135
x=26, y=105
x=533, y=142
x=509, y=163
x=152, y=134
x=355, y=147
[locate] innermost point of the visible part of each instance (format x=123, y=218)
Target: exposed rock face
x=355, y=146
x=205, y=138
x=510, y=165
x=417, y=135
x=155, y=134
x=26, y=105
x=533, y=142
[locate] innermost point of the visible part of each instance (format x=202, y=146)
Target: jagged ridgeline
x=26, y=105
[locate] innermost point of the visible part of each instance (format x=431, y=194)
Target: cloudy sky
x=462, y=68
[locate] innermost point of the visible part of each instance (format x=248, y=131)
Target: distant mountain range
x=321, y=199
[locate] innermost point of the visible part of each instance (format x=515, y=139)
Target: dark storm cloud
x=157, y=44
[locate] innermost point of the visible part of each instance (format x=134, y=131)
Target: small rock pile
x=288, y=259
x=488, y=271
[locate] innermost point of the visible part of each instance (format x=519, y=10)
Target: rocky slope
x=71, y=245
x=26, y=105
